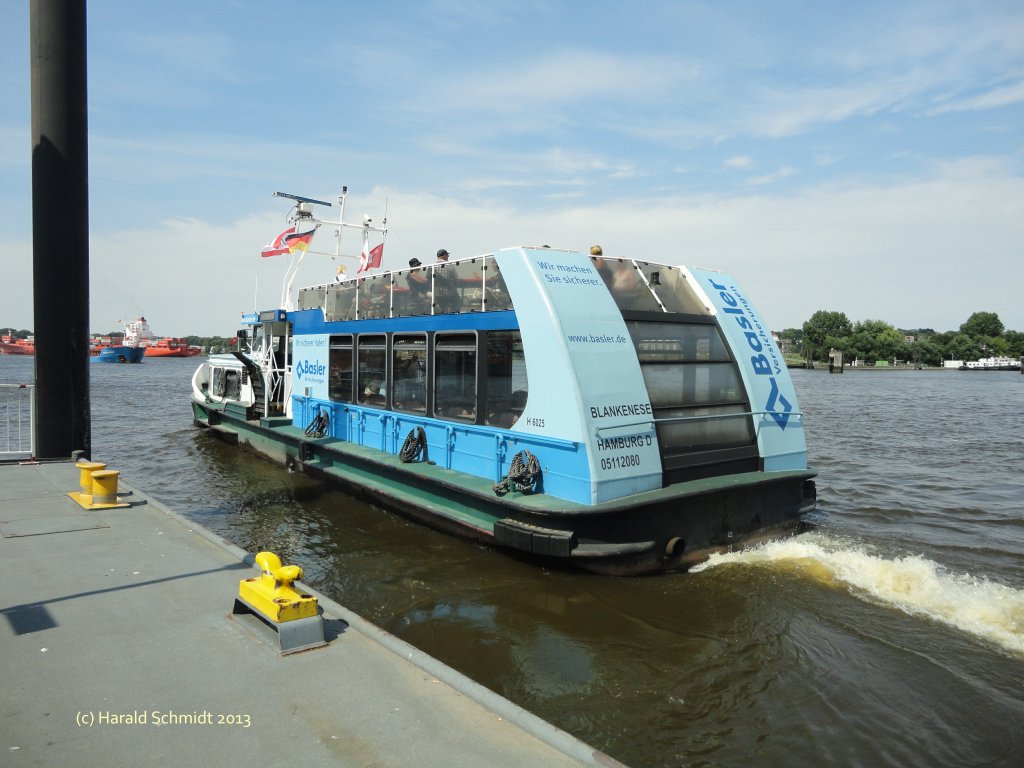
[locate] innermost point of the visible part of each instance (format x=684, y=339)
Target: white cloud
x=1004, y=96
x=783, y=172
x=870, y=250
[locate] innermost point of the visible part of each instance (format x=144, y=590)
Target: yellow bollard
x=272, y=594
x=85, y=479
x=272, y=597
x=98, y=487
x=104, y=486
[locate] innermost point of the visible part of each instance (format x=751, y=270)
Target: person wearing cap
x=446, y=295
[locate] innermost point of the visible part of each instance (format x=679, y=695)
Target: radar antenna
x=300, y=199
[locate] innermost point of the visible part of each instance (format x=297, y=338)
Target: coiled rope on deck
x=524, y=474
x=319, y=425
x=415, y=444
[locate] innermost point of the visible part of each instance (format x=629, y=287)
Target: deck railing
x=17, y=421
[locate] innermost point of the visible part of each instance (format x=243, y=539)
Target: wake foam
x=913, y=584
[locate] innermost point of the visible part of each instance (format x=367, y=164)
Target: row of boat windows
x=469, y=285
x=477, y=285
x=477, y=377
x=639, y=286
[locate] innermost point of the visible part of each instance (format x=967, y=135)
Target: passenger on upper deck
x=446, y=293
x=626, y=285
x=597, y=256
x=418, y=281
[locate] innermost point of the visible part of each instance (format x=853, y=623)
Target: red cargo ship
x=12, y=346
x=171, y=348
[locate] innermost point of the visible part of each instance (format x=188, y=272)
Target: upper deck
x=478, y=284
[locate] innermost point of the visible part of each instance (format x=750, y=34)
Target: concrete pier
x=119, y=649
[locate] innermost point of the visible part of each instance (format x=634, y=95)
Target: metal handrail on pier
x=17, y=421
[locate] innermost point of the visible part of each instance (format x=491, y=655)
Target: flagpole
x=384, y=227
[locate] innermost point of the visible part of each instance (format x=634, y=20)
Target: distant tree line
x=212, y=344
x=981, y=335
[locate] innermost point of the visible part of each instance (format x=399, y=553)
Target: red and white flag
x=277, y=246
x=376, y=255
x=370, y=259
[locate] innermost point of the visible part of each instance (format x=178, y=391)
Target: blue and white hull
x=119, y=354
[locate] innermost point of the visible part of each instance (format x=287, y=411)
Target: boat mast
x=301, y=213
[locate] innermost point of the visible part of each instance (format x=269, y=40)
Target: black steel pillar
x=60, y=227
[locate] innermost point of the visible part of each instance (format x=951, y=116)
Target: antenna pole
x=341, y=218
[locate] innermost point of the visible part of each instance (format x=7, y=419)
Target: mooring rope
x=415, y=444
x=319, y=425
x=524, y=474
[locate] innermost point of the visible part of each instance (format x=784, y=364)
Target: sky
x=863, y=158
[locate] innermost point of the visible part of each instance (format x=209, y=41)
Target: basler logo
x=310, y=368
x=776, y=405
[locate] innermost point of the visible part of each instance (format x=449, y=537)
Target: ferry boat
x=618, y=414
x=168, y=347
x=129, y=350
x=10, y=345
x=992, y=364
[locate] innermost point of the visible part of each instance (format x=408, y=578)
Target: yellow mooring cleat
x=271, y=593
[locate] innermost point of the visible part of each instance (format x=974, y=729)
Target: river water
x=890, y=634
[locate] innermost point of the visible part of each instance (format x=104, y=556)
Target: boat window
x=447, y=289
x=340, y=302
x=627, y=284
x=496, y=296
x=232, y=385
x=409, y=373
x=673, y=289
x=375, y=297
x=687, y=430
x=227, y=383
x=694, y=386
x=507, y=387
x=678, y=342
x=412, y=293
x=455, y=377
x=339, y=387
x=672, y=385
x=371, y=385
